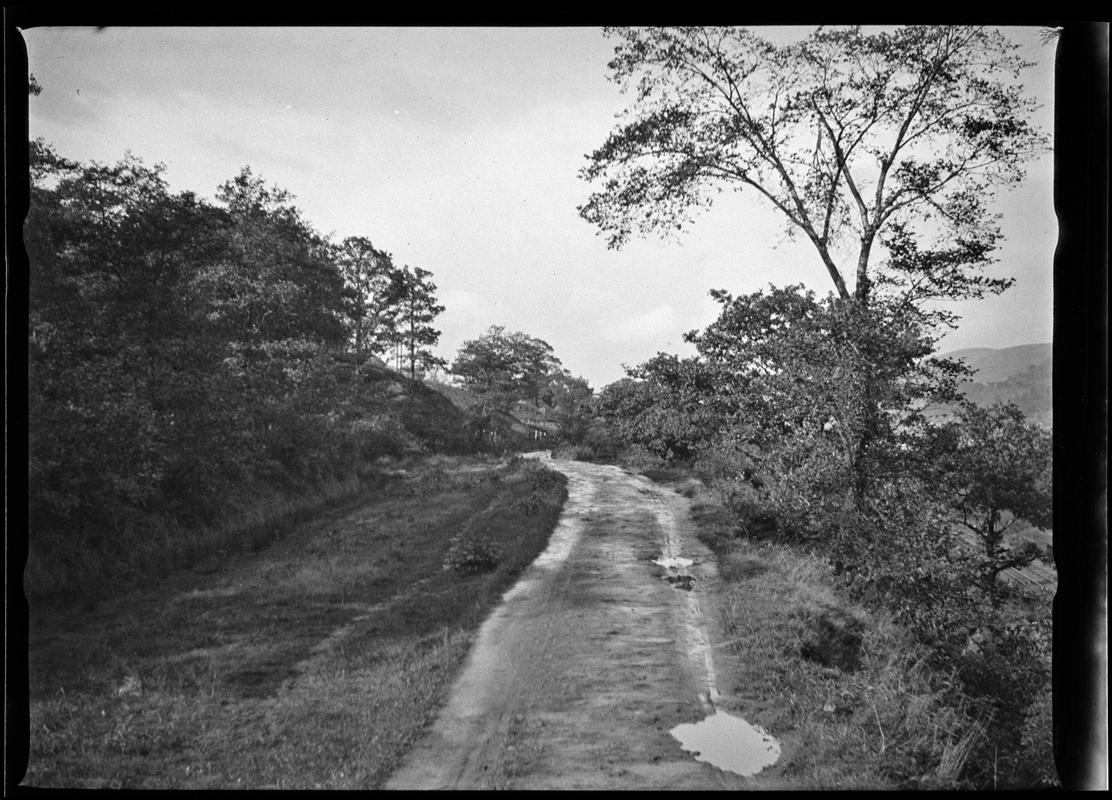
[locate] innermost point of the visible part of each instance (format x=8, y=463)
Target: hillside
x=1021, y=375
x=992, y=365
x=410, y=416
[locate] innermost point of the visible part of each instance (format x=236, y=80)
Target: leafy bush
x=1006, y=667
x=662, y=407
x=472, y=552
x=999, y=657
x=183, y=352
x=595, y=444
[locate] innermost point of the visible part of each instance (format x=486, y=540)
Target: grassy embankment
x=852, y=693
x=313, y=663
x=382, y=415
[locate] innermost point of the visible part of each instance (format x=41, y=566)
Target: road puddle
x=729, y=743
x=673, y=562
x=679, y=580
x=721, y=740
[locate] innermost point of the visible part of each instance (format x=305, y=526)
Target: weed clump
x=472, y=552
x=735, y=567
x=833, y=638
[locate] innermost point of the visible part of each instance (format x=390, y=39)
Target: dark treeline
x=181, y=349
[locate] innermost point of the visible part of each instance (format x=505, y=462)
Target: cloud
x=706, y=311
x=655, y=324
x=467, y=315
x=592, y=299
x=467, y=303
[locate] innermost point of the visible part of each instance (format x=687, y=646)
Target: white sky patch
x=466, y=303
x=467, y=315
x=593, y=298
x=653, y=324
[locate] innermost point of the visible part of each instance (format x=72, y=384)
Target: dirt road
x=577, y=679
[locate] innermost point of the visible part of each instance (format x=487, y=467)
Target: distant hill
x=992, y=365
x=1021, y=375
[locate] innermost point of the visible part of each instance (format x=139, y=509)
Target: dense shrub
x=662, y=407
x=182, y=352
x=999, y=657
x=595, y=444
x=814, y=434
x=472, y=552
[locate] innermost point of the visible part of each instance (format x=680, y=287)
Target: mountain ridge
x=1021, y=374
x=992, y=364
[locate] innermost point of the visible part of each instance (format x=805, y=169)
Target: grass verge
x=854, y=693
x=313, y=663
x=850, y=693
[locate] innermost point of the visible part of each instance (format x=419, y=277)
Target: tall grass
x=313, y=664
x=881, y=719
x=64, y=570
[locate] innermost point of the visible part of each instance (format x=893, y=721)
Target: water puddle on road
x=729, y=743
x=673, y=562
x=722, y=740
x=674, y=565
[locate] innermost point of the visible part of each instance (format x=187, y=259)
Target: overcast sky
x=457, y=150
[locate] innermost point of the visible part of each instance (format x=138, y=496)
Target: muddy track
x=578, y=677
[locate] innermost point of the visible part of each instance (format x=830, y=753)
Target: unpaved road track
x=575, y=681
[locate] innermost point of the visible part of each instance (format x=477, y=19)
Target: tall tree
x=414, y=297
x=369, y=278
x=994, y=469
x=566, y=399
x=896, y=138
x=848, y=135
x=279, y=281
x=100, y=305
x=505, y=367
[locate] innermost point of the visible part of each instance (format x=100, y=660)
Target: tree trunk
x=991, y=538
x=862, y=290
x=832, y=268
x=412, y=351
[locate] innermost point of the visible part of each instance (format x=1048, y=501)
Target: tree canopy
x=367, y=273
x=178, y=348
x=996, y=470
x=504, y=367
x=414, y=296
x=855, y=138
x=668, y=405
